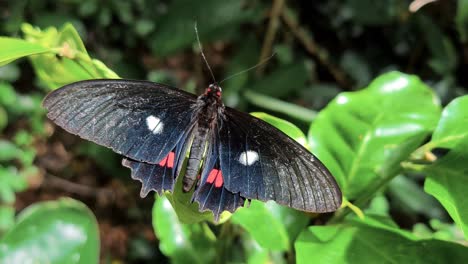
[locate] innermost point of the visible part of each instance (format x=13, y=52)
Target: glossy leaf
x=63, y=231
x=13, y=49
x=182, y=243
x=363, y=136
x=447, y=178
x=372, y=241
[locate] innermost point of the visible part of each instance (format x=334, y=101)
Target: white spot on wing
x=154, y=124
x=248, y=157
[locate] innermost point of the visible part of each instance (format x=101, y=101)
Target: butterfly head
x=214, y=90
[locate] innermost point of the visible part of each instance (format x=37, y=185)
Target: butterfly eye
x=218, y=93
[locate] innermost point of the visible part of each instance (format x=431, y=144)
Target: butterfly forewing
x=260, y=162
x=140, y=120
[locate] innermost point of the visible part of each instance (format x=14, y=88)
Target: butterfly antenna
x=203, y=54
x=251, y=68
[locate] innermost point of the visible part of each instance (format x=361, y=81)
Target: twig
x=276, y=11
x=70, y=187
x=313, y=48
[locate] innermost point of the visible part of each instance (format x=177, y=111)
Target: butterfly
x=233, y=156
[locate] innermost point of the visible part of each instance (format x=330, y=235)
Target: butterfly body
x=232, y=156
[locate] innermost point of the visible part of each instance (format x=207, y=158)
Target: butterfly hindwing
x=260, y=162
x=210, y=192
x=141, y=120
x=160, y=177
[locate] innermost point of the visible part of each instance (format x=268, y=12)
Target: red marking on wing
x=168, y=161
x=215, y=176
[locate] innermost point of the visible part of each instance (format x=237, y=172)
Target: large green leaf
x=63, y=231
x=363, y=136
x=372, y=241
x=448, y=177
x=183, y=243
x=12, y=49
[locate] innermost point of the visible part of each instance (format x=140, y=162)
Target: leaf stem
x=270, y=103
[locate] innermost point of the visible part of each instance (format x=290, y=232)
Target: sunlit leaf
x=363, y=136
x=13, y=49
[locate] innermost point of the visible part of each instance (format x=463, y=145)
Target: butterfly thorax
x=209, y=107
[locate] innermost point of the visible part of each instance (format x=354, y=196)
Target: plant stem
x=270, y=103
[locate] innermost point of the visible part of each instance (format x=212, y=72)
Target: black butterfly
x=233, y=156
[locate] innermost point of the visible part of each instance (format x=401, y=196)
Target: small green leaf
x=363, y=136
x=283, y=224
x=263, y=225
x=447, y=177
x=183, y=243
x=63, y=231
x=452, y=127
x=287, y=127
x=372, y=241
x=13, y=49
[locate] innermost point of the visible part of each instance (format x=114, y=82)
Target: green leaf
x=447, y=178
x=273, y=226
x=13, y=49
x=74, y=63
x=372, y=241
x=286, y=127
x=188, y=212
x=216, y=20
x=363, y=136
x=63, y=231
x=183, y=243
x=452, y=127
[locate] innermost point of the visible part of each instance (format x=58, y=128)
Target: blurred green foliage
x=380, y=88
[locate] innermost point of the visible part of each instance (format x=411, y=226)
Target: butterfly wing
x=259, y=161
x=143, y=121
